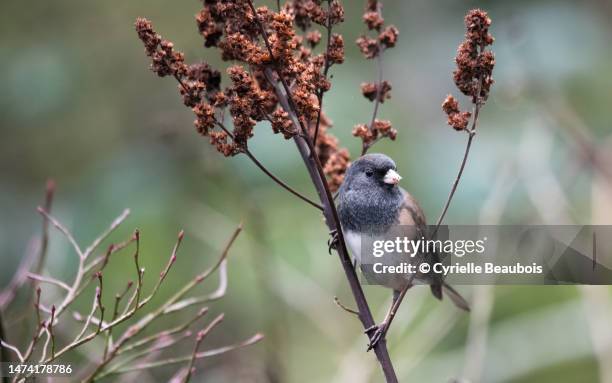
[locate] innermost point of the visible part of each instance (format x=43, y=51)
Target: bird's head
x=372, y=171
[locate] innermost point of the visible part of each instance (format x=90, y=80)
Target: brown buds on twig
x=373, y=91
x=456, y=118
x=474, y=63
x=473, y=75
x=380, y=90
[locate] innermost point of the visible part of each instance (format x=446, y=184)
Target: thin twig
x=152, y=338
x=215, y=295
x=44, y=242
x=109, y=334
x=280, y=182
x=50, y=280
x=118, y=221
x=19, y=276
x=199, y=338
x=345, y=308
x=50, y=328
x=204, y=354
x=471, y=133
x=12, y=348
x=63, y=230
x=37, y=307
x=379, y=64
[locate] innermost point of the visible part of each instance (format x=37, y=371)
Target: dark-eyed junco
x=370, y=203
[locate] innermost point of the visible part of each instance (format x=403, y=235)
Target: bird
x=371, y=204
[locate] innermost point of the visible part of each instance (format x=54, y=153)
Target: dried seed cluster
x=250, y=97
x=371, y=47
x=473, y=75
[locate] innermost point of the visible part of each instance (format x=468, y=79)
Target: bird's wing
x=411, y=213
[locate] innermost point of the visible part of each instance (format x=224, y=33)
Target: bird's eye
x=369, y=173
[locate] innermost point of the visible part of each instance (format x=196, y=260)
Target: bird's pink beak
x=392, y=178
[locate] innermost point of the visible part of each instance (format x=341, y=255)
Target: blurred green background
x=78, y=104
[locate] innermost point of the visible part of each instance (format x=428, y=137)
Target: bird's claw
x=378, y=333
x=332, y=242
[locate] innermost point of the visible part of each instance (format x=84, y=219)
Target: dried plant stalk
x=95, y=326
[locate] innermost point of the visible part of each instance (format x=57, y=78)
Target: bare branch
x=12, y=348
x=152, y=338
x=118, y=221
x=471, y=133
x=345, y=308
x=44, y=243
x=205, y=354
x=20, y=276
x=63, y=230
x=199, y=338
x=217, y=294
x=49, y=280
x=280, y=182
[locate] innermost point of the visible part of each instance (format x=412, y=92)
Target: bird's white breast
x=353, y=242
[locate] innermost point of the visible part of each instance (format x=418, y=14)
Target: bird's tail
x=458, y=300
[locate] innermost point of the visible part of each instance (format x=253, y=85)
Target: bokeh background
x=79, y=105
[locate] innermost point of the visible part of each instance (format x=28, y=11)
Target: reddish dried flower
x=456, y=118
x=370, y=90
x=191, y=91
x=477, y=23
x=369, y=47
x=372, y=5
x=164, y=60
x=335, y=160
x=281, y=123
x=282, y=24
x=336, y=12
x=336, y=49
x=383, y=128
x=450, y=105
x=313, y=38
x=219, y=140
x=388, y=37
x=209, y=28
x=218, y=100
x=147, y=35
x=306, y=103
x=380, y=128
x=474, y=63
x=373, y=20
x=335, y=168
x=203, y=72
x=205, y=118
x=362, y=131
x=241, y=80
x=238, y=46
x=306, y=12
x=248, y=104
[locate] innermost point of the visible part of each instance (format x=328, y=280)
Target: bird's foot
x=378, y=332
x=332, y=242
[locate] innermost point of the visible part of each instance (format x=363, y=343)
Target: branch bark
x=315, y=170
